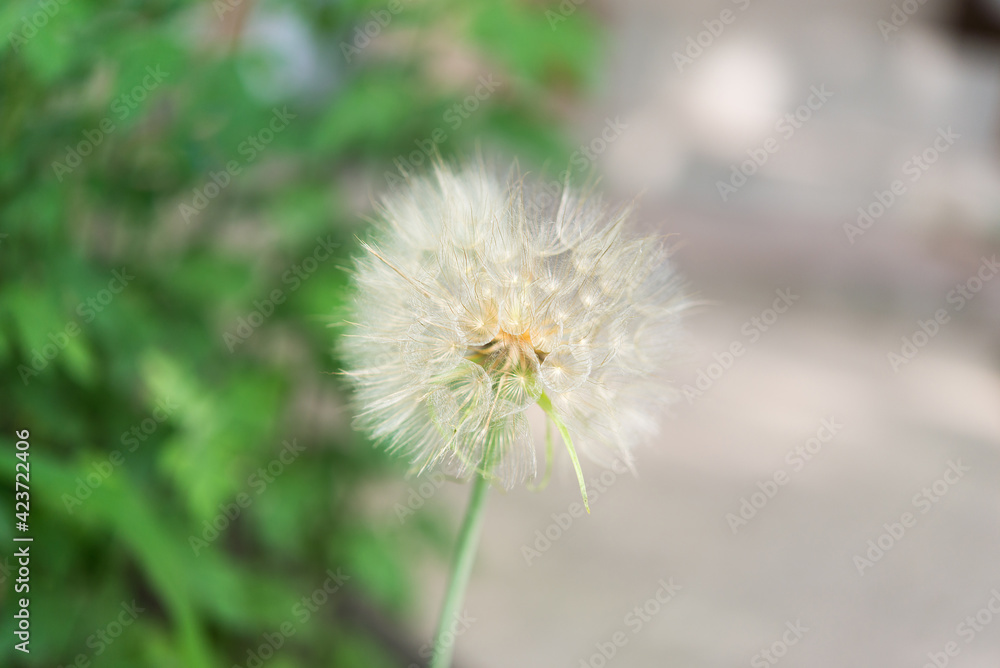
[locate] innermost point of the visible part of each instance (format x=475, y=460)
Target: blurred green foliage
x=163, y=320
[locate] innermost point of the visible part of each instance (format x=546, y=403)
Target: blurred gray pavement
x=800, y=578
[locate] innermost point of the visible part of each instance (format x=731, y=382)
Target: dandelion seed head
x=478, y=297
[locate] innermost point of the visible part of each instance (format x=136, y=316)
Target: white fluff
x=477, y=301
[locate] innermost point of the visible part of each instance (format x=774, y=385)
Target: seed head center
x=505, y=352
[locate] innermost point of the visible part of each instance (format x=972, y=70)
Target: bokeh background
x=181, y=184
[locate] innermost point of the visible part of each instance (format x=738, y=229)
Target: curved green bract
x=546, y=405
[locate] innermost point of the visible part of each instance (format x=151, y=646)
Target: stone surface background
x=825, y=358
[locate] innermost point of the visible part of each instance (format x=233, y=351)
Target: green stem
x=461, y=568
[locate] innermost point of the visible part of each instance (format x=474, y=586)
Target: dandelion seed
x=476, y=305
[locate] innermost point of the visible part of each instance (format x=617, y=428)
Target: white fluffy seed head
x=478, y=296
